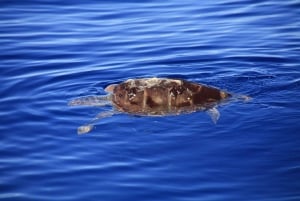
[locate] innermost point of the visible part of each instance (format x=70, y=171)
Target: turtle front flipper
x=86, y=128
x=91, y=101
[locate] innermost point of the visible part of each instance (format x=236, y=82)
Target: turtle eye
x=120, y=95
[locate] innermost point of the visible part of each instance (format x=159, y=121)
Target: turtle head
x=110, y=88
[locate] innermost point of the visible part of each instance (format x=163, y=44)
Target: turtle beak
x=110, y=88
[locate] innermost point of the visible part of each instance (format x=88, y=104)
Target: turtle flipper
x=214, y=114
x=86, y=128
x=90, y=101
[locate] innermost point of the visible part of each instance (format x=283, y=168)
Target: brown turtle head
x=110, y=88
x=119, y=93
x=125, y=97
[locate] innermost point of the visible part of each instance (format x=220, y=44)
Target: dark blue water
x=53, y=51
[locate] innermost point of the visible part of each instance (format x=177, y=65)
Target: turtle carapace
x=155, y=97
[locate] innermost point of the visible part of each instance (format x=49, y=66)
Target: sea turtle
x=155, y=97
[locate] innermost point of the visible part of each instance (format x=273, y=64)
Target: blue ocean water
x=53, y=51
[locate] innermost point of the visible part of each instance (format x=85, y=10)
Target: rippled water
x=54, y=51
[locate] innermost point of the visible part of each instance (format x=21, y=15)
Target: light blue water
x=54, y=51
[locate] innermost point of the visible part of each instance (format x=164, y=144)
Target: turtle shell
x=161, y=96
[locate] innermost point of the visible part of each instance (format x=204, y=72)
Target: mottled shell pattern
x=154, y=96
x=161, y=96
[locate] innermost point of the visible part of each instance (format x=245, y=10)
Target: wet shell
x=154, y=96
x=161, y=96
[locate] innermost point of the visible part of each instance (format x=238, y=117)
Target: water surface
x=53, y=51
